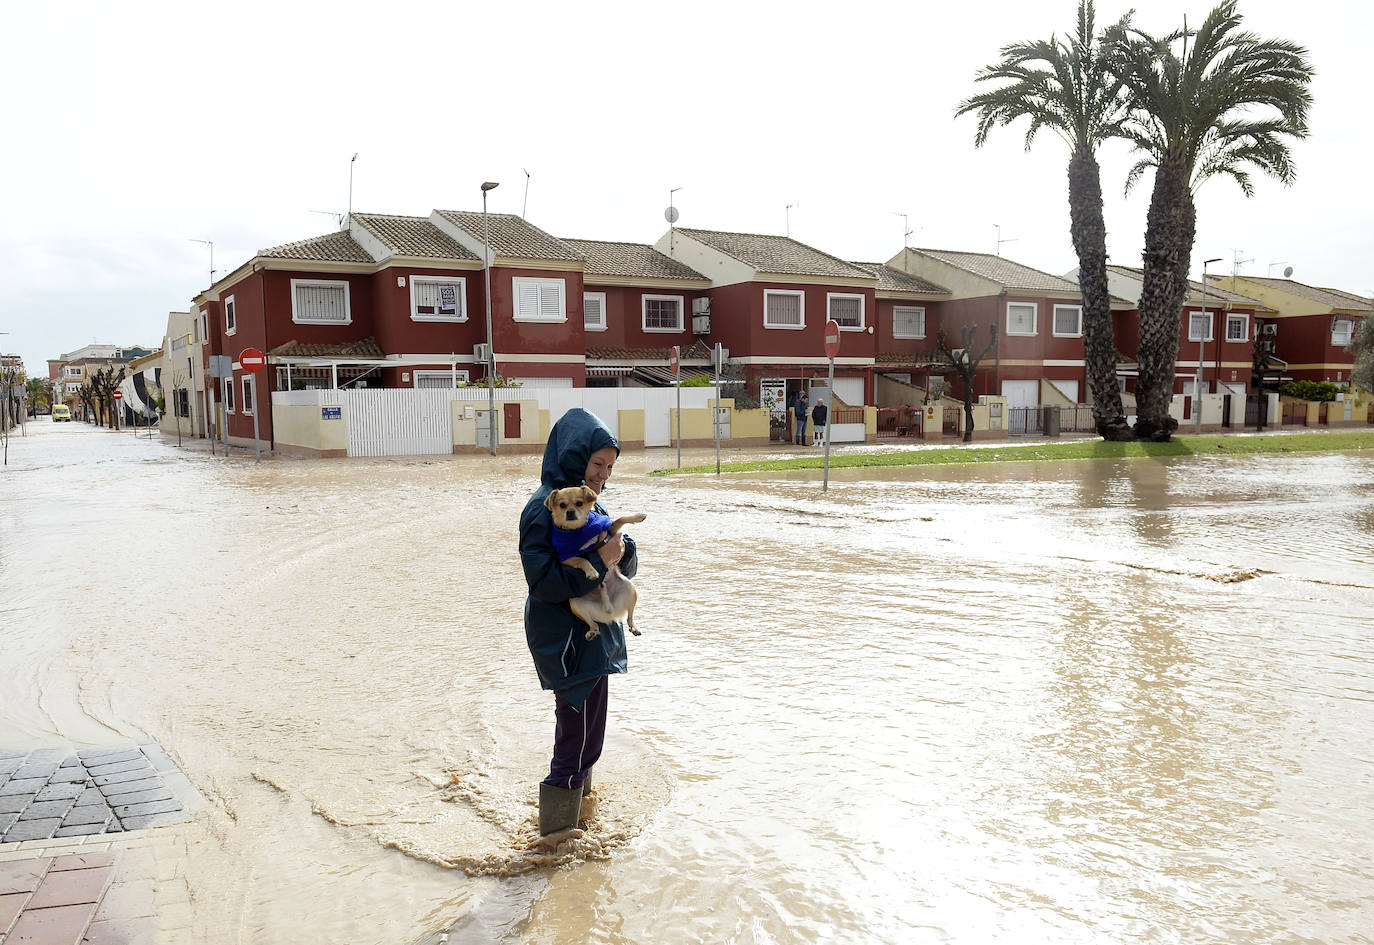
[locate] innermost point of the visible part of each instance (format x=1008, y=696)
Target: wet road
x=1077, y=702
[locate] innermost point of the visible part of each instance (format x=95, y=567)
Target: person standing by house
x=581, y=451
x=819, y=414
x=800, y=410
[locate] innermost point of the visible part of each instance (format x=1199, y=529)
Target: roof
x=698, y=350
x=1213, y=291
x=332, y=247
x=413, y=236
x=630, y=259
x=894, y=280
x=366, y=348
x=1332, y=297
x=1359, y=300
x=777, y=254
x=512, y=236
x=1012, y=275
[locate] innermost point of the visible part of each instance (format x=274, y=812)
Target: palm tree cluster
x=1217, y=101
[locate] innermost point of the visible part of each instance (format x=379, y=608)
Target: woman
x=581, y=451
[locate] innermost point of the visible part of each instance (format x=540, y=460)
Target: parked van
x=61, y=412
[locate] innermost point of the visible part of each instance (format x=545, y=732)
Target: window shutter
x=593, y=315
x=847, y=312
x=1021, y=320
x=550, y=299
x=784, y=309
x=527, y=305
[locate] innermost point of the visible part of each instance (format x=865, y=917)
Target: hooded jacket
x=566, y=661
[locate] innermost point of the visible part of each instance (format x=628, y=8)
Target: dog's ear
x=548, y=503
x=588, y=494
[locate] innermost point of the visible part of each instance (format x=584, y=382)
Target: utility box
x=484, y=430
x=1051, y=421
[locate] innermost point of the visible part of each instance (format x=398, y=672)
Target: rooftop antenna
x=350, y=188
x=1000, y=241
x=788, y=223
x=211, y=244
x=1286, y=272
x=338, y=217
x=671, y=216
x=906, y=228
x=1237, y=262
x=526, y=204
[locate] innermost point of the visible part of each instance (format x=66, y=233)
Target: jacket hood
x=574, y=438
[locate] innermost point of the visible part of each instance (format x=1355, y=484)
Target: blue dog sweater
x=569, y=544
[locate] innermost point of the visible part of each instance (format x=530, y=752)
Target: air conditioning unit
x=481, y=353
x=701, y=306
x=1271, y=329
x=701, y=324
x=960, y=355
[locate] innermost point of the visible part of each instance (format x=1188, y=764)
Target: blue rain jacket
x=567, y=662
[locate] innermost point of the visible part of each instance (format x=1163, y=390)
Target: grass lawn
x=1088, y=449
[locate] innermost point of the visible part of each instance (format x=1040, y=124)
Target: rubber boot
x=587, y=785
x=558, y=808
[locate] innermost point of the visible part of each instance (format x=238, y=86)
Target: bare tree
x=178, y=389
x=966, y=365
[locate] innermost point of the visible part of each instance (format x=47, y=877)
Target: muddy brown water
x=1057, y=702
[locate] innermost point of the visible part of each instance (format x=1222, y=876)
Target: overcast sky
x=133, y=129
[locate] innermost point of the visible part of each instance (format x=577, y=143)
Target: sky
x=134, y=130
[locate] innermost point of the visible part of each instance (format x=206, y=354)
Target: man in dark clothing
x=801, y=410
x=819, y=414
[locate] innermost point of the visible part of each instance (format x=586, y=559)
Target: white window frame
x=1054, y=323
x=644, y=313
x=249, y=401
x=463, y=375
x=863, y=311
x=73, y=388
x=1035, y=319
x=331, y=283
x=908, y=308
x=801, y=297
x=231, y=315
x=1192, y=335
x=589, y=325
x=1244, y=327
x=460, y=282
x=204, y=326
x=227, y=393
x=1349, y=334
x=74, y=371
x=519, y=282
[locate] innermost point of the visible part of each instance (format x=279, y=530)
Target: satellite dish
x=670, y=214
x=1288, y=271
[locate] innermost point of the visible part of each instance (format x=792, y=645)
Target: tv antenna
x=671, y=216
x=1000, y=241
x=211, y=244
x=338, y=217
x=788, y=222
x=1237, y=262
x=1288, y=270
x=351, y=162
x=525, y=206
x=907, y=231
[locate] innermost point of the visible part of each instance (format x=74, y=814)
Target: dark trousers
x=578, y=737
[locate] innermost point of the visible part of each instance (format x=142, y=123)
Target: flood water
x=1108, y=702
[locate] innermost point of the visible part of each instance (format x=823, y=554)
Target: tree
x=1069, y=88
x=39, y=394
x=966, y=365
x=1228, y=103
x=180, y=398
x=1363, y=347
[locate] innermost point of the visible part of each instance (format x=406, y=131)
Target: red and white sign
x=118, y=395
x=252, y=360
x=832, y=338
x=673, y=360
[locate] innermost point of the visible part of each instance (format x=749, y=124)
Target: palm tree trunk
x=1089, y=231
x=1169, y=234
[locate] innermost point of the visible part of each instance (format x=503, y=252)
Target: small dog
x=615, y=599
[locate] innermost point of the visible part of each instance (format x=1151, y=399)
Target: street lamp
x=1201, y=344
x=491, y=348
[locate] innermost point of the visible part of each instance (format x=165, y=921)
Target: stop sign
x=118, y=395
x=252, y=360
x=832, y=338
x=673, y=360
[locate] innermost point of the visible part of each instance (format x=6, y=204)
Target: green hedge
x=1312, y=390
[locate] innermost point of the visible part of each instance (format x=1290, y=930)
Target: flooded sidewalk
x=1070, y=702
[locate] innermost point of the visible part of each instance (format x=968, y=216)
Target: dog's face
x=571, y=506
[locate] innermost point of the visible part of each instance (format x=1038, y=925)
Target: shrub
x=1311, y=390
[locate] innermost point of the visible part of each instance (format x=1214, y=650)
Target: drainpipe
x=266, y=346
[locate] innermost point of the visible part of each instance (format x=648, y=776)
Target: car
x=61, y=412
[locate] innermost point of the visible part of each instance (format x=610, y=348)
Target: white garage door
x=1069, y=389
x=1021, y=393
x=850, y=390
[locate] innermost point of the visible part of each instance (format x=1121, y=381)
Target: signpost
x=832, y=348
x=675, y=364
x=252, y=361
x=717, y=356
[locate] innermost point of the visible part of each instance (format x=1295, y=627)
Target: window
x=228, y=384
x=1342, y=330
x=438, y=299
x=320, y=302
x=783, y=309
x=1237, y=327
x=1068, y=321
x=73, y=371
x=1021, y=318
x=248, y=403
x=908, y=321
x=663, y=313
x=181, y=402
x=539, y=300
x=204, y=327
x=231, y=323
x=73, y=388
x=846, y=310
x=1199, y=326
x=594, y=311
x=439, y=380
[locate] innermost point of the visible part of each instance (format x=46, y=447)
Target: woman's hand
x=613, y=550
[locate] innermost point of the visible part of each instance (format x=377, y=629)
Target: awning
x=600, y=371
x=663, y=376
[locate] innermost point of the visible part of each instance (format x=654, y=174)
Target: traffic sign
x=673, y=361
x=118, y=395
x=832, y=338
x=252, y=360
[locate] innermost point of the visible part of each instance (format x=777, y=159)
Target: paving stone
x=82, y=861
x=39, y=811
x=104, y=751
x=140, y=797
x=138, y=823
x=62, y=925
x=69, y=775
x=80, y=830
x=131, y=787
x=14, y=803
x=112, y=758
x=71, y=888
x=113, y=827
x=136, y=774
x=59, y=792
x=45, y=755
x=22, y=876
x=6, y=820
x=22, y=786
x=90, y=814
x=125, y=811
x=143, y=931
x=10, y=904
x=120, y=767
x=90, y=795
x=129, y=900
x=31, y=770
x=70, y=760
x=32, y=830
x=9, y=765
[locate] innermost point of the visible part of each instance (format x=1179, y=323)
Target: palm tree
x=1228, y=103
x=1069, y=88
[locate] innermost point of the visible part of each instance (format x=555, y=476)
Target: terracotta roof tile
x=1334, y=298
x=1195, y=288
x=894, y=280
x=698, y=350
x=332, y=247
x=413, y=236
x=777, y=254
x=630, y=259
x=366, y=348
x=1010, y=274
x=513, y=236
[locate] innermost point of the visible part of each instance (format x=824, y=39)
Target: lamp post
x=1201, y=344
x=491, y=348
